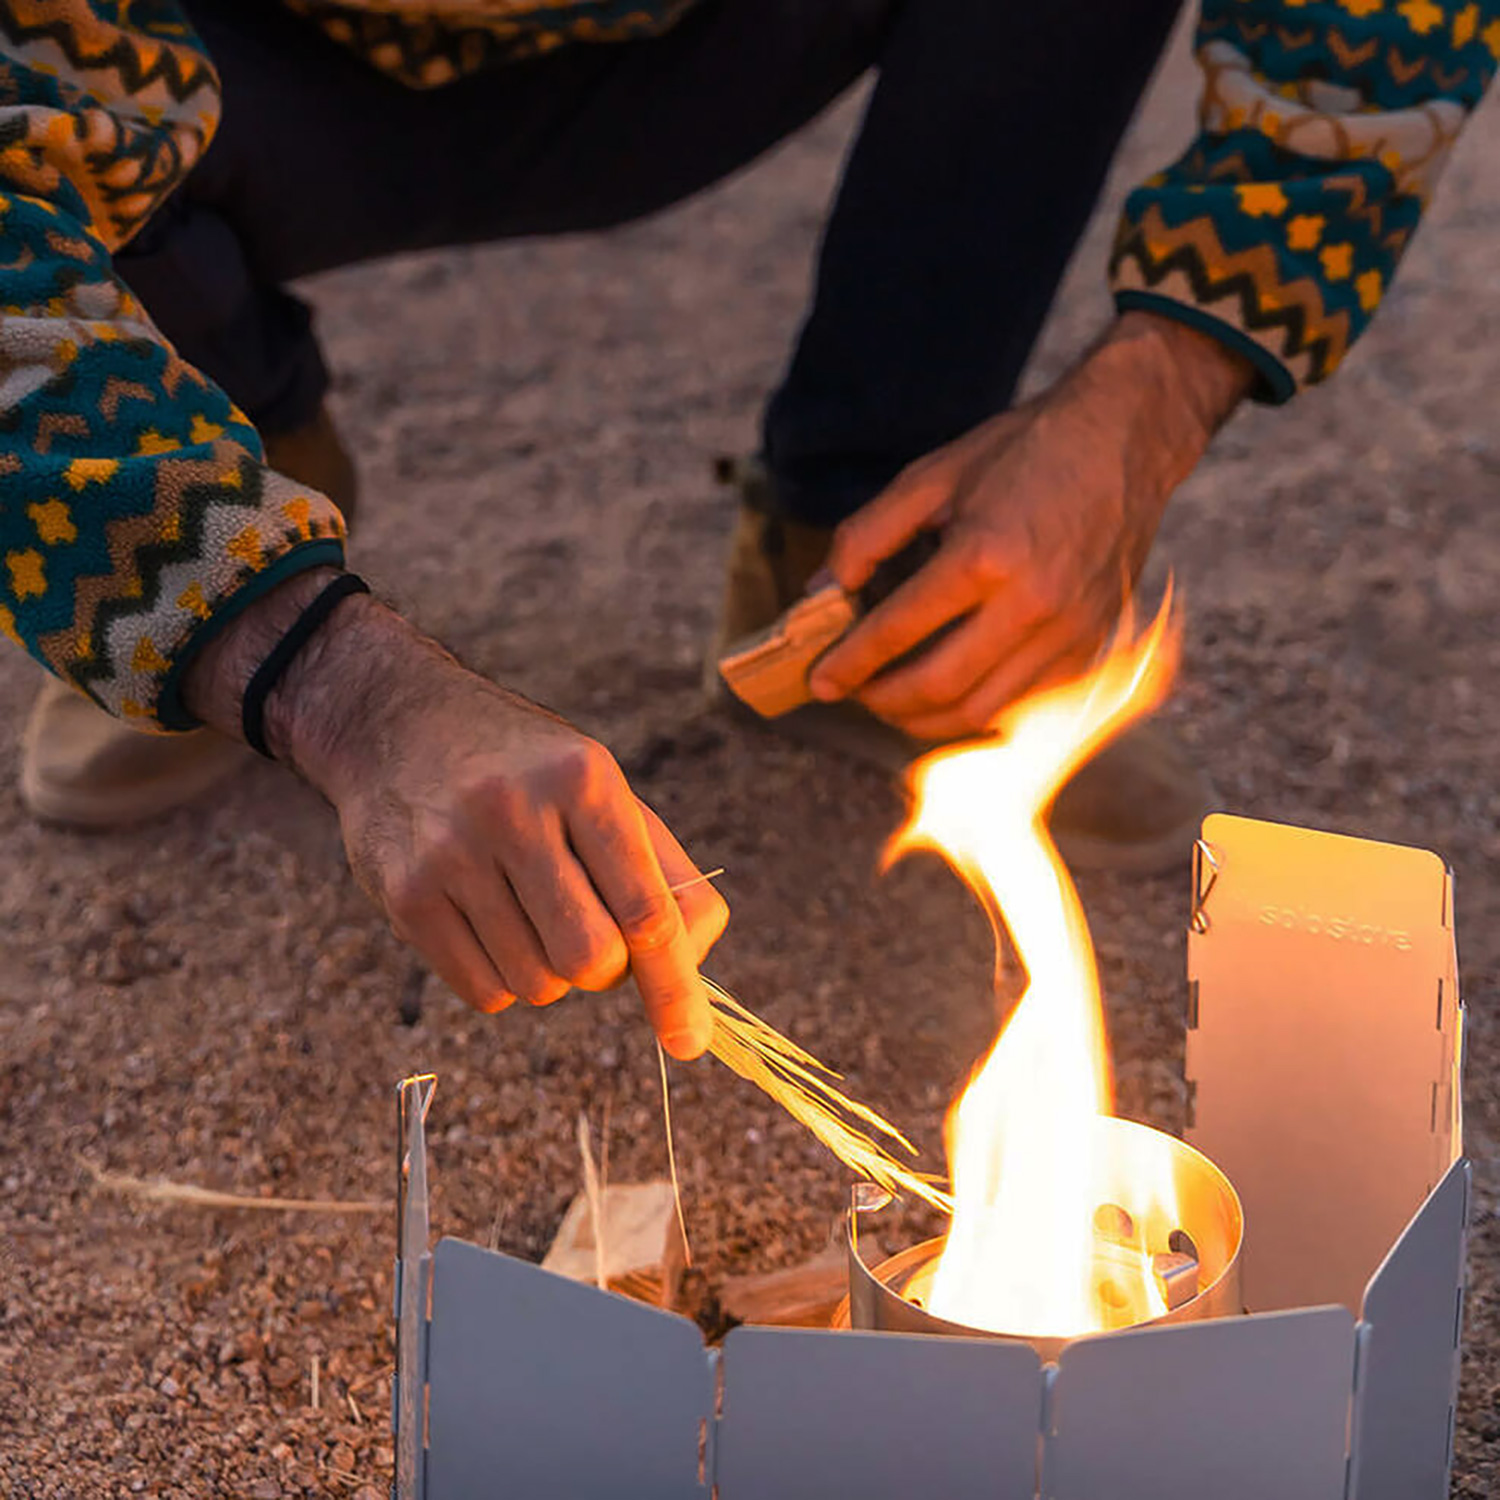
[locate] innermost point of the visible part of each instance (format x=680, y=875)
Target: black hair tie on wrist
x=269, y=672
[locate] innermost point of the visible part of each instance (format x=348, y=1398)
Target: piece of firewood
x=802, y=1296
x=769, y=671
x=642, y=1242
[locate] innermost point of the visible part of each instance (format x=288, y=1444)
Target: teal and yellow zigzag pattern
x=134, y=507
x=1324, y=129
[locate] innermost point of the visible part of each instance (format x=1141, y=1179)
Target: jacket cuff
x=1274, y=383
x=322, y=552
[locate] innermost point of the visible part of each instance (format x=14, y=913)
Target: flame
x=1029, y=1164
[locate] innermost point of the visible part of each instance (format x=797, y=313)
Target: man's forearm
x=323, y=698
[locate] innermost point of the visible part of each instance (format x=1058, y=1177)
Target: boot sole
x=1167, y=854
x=868, y=742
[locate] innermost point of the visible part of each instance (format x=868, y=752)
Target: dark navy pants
x=987, y=136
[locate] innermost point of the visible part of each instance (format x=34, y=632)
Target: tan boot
x=770, y=563
x=1136, y=807
x=83, y=768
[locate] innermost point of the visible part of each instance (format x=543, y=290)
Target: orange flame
x=1028, y=1163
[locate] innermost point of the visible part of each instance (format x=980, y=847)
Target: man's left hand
x=1046, y=513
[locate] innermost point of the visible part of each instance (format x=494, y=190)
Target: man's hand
x=501, y=842
x=1047, y=513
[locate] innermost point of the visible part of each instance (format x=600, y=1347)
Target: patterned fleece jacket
x=136, y=514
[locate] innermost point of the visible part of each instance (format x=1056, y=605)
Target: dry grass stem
x=801, y=1085
x=159, y=1190
x=594, y=1191
x=666, y=1116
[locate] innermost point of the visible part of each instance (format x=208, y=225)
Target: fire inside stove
x=1066, y=1220
x=1139, y=1273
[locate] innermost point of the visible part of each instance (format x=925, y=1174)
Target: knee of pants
x=251, y=337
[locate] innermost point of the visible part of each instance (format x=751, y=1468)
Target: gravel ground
x=211, y=1000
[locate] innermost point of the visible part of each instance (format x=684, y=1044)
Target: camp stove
x=1314, y=1286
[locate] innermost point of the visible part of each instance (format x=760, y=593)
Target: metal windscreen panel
x=1319, y=1054
x=1235, y=1409
x=541, y=1386
x=885, y=1416
x=1408, y=1368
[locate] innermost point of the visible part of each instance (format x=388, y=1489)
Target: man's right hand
x=502, y=843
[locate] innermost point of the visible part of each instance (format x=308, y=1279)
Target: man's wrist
x=1191, y=380
x=1164, y=389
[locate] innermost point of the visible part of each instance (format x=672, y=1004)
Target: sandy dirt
x=211, y=999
